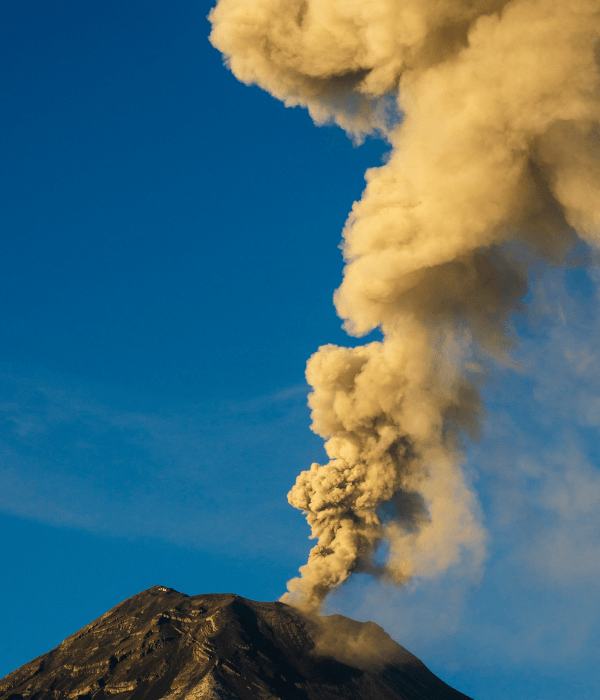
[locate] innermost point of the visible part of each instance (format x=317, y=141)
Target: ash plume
x=495, y=162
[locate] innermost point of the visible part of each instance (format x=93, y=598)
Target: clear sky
x=169, y=251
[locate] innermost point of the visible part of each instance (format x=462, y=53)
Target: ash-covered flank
x=161, y=644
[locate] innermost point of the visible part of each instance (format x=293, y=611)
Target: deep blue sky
x=168, y=258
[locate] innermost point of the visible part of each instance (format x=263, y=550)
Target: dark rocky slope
x=161, y=644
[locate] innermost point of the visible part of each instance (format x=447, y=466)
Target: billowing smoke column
x=496, y=160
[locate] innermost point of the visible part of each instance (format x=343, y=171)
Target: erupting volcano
x=161, y=644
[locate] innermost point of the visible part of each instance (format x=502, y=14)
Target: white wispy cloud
x=210, y=476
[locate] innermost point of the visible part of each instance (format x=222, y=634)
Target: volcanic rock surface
x=165, y=645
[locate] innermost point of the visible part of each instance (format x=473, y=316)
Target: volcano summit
x=161, y=644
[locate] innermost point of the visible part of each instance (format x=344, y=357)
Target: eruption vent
x=496, y=159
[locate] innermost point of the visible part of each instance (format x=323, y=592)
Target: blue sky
x=169, y=254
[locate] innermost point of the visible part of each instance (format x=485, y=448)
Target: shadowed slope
x=161, y=644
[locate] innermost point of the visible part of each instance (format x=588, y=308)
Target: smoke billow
x=496, y=161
